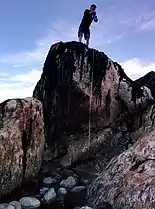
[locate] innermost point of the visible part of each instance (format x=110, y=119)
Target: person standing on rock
x=89, y=16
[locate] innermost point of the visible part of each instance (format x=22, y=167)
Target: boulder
x=21, y=142
x=82, y=88
x=65, y=89
x=128, y=181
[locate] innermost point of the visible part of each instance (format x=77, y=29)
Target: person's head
x=93, y=7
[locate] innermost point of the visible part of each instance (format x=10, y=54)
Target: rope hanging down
x=90, y=102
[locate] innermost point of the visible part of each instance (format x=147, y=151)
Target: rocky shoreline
x=55, y=187
x=44, y=149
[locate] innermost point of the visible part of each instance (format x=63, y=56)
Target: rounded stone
x=29, y=202
x=50, y=196
x=15, y=204
x=62, y=191
x=49, y=181
x=44, y=190
x=6, y=206
x=59, y=170
x=78, y=189
x=10, y=207
x=68, y=183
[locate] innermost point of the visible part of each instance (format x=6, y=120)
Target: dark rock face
x=64, y=88
x=65, y=91
x=21, y=142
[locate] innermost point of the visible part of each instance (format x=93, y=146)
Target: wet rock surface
x=65, y=91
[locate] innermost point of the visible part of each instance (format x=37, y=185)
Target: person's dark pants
x=84, y=31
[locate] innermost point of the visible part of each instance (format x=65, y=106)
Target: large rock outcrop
x=121, y=139
x=65, y=91
x=128, y=181
x=21, y=142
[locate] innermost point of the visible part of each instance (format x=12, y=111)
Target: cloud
x=141, y=23
x=114, y=38
x=18, y=86
x=148, y=25
x=61, y=30
x=31, y=77
x=64, y=31
x=17, y=91
x=30, y=62
x=134, y=68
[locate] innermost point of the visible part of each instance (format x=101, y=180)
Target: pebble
x=62, y=191
x=59, y=170
x=6, y=206
x=29, y=203
x=3, y=206
x=78, y=189
x=16, y=204
x=44, y=190
x=49, y=181
x=10, y=207
x=56, y=188
x=50, y=196
x=69, y=183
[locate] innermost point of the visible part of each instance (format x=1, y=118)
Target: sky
x=125, y=32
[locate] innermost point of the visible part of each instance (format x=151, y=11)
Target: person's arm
x=95, y=17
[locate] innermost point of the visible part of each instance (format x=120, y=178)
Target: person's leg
x=80, y=38
x=87, y=41
x=80, y=34
x=87, y=36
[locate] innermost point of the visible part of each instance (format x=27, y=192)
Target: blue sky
x=125, y=32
